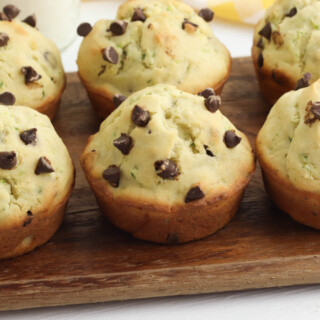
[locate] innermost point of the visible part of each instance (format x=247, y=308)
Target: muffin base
x=272, y=84
x=19, y=239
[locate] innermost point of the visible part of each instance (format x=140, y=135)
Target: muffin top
x=30, y=65
x=36, y=171
x=169, y=147
x=288, y=38
x=289, y=141
x=151, y=42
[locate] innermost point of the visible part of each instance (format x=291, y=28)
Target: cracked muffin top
x=289, y=141
x=36, y=172
x=167, y=146
x=151, y=42
x=31, y=72
x=287, y=40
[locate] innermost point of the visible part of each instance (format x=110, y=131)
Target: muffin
x=36, y=180
x=288, y=149
x=286, y=50
x=150, y=42
x=31, y=72
x=167, y=166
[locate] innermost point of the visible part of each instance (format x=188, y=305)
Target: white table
x=281, y=303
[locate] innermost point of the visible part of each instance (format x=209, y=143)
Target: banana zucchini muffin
x=36, y=180
x=150, y=42
x=167, y=166
x=288, y=149
x=286, y=49
x=31, y=71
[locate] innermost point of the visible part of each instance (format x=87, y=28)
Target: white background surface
x=281, y=303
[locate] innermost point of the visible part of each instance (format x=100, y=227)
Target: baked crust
x=22, y=237
x=272, y=83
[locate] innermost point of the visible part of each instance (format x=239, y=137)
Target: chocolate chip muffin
x=31, y=73
x=150, y=42
x=288, y=149
x=36, y=179
x=167, y=166
x=286, y=48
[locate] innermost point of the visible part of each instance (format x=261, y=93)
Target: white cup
x=56, y=19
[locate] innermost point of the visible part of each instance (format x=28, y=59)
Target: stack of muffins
x=166, y=165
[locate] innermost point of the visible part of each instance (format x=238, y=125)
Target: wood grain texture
x=89, y=260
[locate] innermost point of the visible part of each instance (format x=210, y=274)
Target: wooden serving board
x=89, y=260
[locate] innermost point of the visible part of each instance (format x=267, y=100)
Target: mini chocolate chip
x=118, y=99
x=111, y=55
x=194, y=194
x=206, y=93
x=208, y=152
x=304, y=81
x=29, y=136
x=8, y=160
x=43, y=166
x=84, y=29
x=3, y=17
x=230, y=139
x=118, y=27
x=166, y=169
x=29, y=213
x=7, y=99
x=260, y=60
x=206, y=14
x=188, y=25
x=172, y=238
x=27, y=221
x=123, y=143
x=292, y=12
x=140, y=117
x=138, y=15
x=4, y=38
x=312, y=113
x=213, y=103
x=266, y=31
x=30, y=75
x=260, y=44
x=315, y=109
x=11, y=11
x=31, y=20
x=112, y=175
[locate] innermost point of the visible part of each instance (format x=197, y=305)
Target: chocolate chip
x=7, y=99
x=43, y=166
x=304, y=81
x=140, y=117
x=260, y=60
x=315, y=109
x=28, y=220
x=8, y=160
x=188, y=25
x=206, y=14
x=266, y=31
x=206, y=93
x=11, y=11
x=118, y=27
x=172, y=238
x=208, y=152
x=312, y=113
x=194, y=194
x=31, y=20
x=292, y=12
x=4, y=38
x=213, y=103
x=260, y=44
x=111, y=55
x=166, y=169
x=29, y=213
x=112, y=175
x=231, y=139
x=138, y=15
x=3, y=17
x=29, y=136
x=118, y=99
x=84, y=29
x=123, y=143
x=30, y=75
